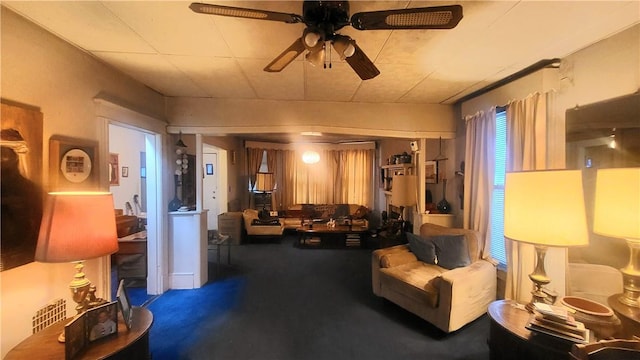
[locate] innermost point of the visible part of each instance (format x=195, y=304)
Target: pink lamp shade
x=77, y=226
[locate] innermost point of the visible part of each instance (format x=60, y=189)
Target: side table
x=629, y=316
x=509, y=339
x=127, y=344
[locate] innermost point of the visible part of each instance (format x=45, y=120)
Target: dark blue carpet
x=276, y=301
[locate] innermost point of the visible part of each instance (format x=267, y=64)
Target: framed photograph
x=102, y=321
x=114, y=174
x=124, y=304
x=125, y=171
x=75, y=337
x=73, y=164
x=431, y=172
x=209, y=168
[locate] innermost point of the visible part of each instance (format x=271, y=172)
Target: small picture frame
x=431, y=172
x=125, y=171
x=209, y=168
x=124, y=304
x=102, y=321
x=75, y=335
x=73, y=164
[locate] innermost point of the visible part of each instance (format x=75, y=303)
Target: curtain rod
x=545, y=63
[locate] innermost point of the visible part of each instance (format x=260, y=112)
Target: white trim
x=277, y=146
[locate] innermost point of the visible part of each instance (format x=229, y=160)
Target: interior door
x=210, y=188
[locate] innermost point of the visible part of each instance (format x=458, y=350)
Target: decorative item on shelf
x=444, y=206
x=544, y=208
x=595, y=316
x=404, y=193
x=403, y=158
x=176, y=203
x=617, y=215
x=78, y=226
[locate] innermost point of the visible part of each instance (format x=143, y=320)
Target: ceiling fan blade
x=231, y=11
x=436, y=17
x=286, y=57
x=361, y=64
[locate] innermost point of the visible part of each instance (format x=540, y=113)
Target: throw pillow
x=451, y=251
x=423, y=248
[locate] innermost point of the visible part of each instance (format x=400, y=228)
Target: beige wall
x=41, y=70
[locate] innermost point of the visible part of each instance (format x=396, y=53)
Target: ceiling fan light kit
x=324, y=18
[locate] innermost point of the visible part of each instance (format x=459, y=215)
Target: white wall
x=607, y=69
x=41, y=70
x=128, y=144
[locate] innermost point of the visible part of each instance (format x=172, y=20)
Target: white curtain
x=479, y=170
x=526, y=150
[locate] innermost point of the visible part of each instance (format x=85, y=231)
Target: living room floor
x=277, y=301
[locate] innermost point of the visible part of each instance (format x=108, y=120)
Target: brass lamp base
x=539, y=278
x=631, y=276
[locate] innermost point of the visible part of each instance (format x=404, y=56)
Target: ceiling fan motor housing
x=326, y=17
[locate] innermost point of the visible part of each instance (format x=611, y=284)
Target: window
x=497, y=198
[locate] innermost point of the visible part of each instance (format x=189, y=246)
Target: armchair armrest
x=466, y=292
x=401, y=251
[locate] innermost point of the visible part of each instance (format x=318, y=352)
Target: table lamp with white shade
x=617, y=215
x=544, y=209
x=403, y=193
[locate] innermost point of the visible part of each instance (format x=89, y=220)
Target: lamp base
x=539, y=278
x=631, y=276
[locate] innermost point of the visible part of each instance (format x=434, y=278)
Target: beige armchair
x=448, y=299
x=256, y=227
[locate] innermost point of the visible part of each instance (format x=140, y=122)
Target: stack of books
x=557, y=321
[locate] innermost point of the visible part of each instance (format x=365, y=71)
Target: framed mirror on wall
x=599, y=136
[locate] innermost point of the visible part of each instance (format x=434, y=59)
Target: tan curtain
x=526, y=150
x=254, y=160
x=479, y=170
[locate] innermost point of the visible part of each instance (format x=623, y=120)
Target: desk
x=127, y=344
x=509, y=339
x=131, y=258
x=629, y=316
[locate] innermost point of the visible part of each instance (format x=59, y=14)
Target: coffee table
x=321, y=235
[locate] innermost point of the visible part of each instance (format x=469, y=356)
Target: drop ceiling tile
x=219, y=77
x=87, y=24
x=155, y=71
x=392, y=83
x=171, y=27
x=337, y=83
x=435, y=90
x=285, y=85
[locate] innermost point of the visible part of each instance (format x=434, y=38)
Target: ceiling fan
x=324, y=18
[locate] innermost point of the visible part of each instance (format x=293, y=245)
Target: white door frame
x=157, y=219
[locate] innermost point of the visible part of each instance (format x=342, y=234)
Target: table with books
x=548, y=333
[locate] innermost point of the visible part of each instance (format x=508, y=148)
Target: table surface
x=629, y=316
x=45, y=345
x=323, y=228
x=511, y=319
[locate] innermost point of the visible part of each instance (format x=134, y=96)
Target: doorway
x=214, y=184
x=133, y=159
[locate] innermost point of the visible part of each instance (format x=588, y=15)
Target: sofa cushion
x=424, y=249
x=416, y=280
x=451, y=251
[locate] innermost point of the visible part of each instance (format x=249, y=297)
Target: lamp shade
x=617, y=203
x=264, y=182
x=404, y=190
x=545, y=208
x=77, y=226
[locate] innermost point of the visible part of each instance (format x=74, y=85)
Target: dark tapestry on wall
x=21, y=182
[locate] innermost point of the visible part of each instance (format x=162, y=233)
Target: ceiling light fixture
x=344, y=46
x=180, y=143
x=310, y=157
x=311, y=133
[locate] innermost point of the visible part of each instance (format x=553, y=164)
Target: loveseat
x=296, y=214
x=448, y=298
